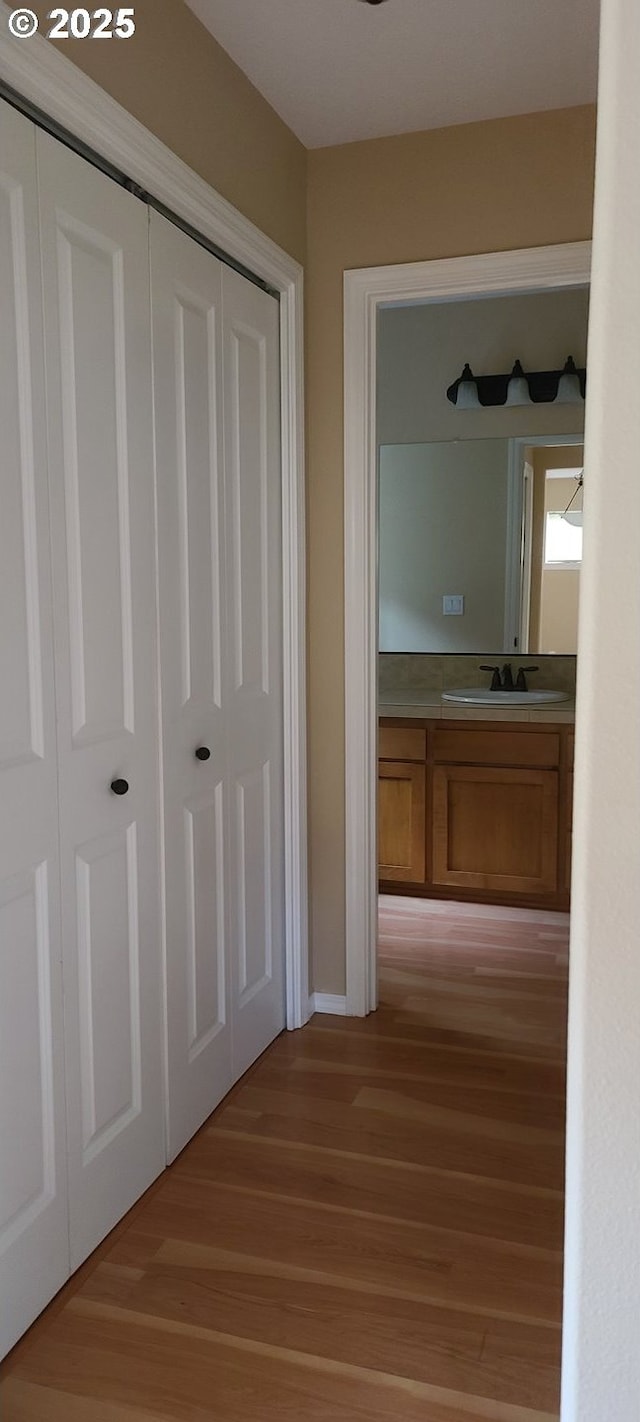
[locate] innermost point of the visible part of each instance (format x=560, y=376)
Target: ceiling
x=341, y=70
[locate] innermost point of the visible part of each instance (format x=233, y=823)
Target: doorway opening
x=368, y=292
x=467, y=523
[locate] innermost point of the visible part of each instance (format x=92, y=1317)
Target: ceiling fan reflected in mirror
x=571, y=515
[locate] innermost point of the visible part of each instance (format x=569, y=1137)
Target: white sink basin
x=481, y=696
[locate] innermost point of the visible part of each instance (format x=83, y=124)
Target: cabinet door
x=253, y=655
x=98, y=364
x=401, y=821
x=495, y=830
x=187, y=350
x=34, y=1242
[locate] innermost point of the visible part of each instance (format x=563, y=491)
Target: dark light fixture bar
x=545, y=387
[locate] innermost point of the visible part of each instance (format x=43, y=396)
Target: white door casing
x=34, y=1243
x=365, y=290
x=187, y=349
x=253, y=656
x=100, y=431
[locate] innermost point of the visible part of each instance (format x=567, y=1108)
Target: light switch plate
x=453, y=605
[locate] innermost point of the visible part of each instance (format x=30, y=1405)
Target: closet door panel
x=187, y=339
x=34, y=1244
x=98, y=360
x=97, y=482
x=254, y=700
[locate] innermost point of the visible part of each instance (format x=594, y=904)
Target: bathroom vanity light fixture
x=520, y=387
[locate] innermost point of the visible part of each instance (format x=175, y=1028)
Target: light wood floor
x=370, y=1228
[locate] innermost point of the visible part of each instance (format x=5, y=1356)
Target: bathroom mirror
x=480, y=545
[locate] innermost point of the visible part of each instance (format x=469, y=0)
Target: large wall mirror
x=480, y=509
x=481, y=545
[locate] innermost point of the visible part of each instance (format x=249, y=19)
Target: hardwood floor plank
x=243, y=1374
x=482, y=1274
x=392, y=1024
x=344, y=1048
x=487, y=1123
x=369, y=1228
x=290, y=1116
x=25, y=1401
x=379, y=1187
x=400, y=1335
x=309, y=1075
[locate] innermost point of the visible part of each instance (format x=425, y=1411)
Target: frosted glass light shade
x=468, y=398
x=569, y=392
x=518, y=388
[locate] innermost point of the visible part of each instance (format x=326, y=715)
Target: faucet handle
x=496, y=684
x=521, y=683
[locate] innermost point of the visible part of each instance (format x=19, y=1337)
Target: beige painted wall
x=516, y=182
x=177, y=80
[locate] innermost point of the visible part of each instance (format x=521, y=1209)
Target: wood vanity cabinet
x=476, y=811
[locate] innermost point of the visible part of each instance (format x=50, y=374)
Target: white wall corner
x=601, y=1357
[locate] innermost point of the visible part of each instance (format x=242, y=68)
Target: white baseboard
x=328, y=1002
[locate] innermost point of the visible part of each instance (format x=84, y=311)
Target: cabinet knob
x=120, y=787
x=203, y=753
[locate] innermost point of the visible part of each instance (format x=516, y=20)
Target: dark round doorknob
x=119, y=787
x=203, y=753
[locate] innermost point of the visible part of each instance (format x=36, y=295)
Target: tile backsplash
x=427, y=671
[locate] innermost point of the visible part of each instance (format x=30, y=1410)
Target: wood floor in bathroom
x=369, y=1228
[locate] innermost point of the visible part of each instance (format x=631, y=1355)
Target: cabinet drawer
x=402, y=743
x=535, y=748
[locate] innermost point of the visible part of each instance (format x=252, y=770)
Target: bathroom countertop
x=428, y=705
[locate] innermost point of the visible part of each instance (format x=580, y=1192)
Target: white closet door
x=34, y=1244
x=98, y=365
x=253, y=702
x=187, y=339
